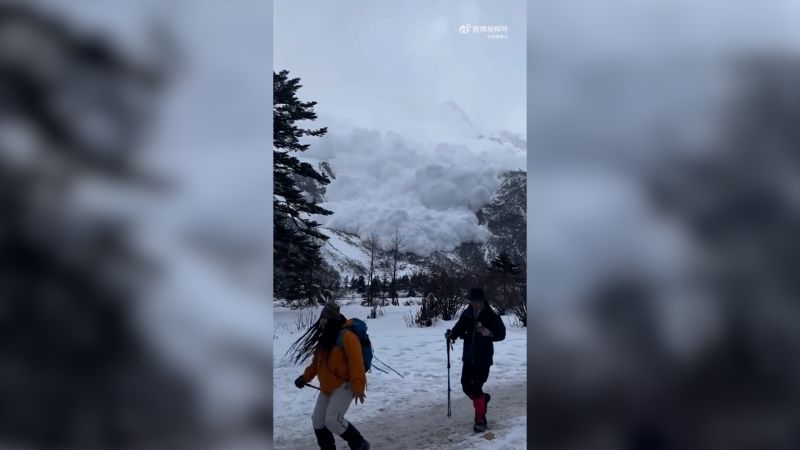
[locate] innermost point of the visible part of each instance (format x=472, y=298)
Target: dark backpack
x=359, y=327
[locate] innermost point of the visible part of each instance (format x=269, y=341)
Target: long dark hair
x=316, y=338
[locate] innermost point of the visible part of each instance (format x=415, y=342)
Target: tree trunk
x=393, y=285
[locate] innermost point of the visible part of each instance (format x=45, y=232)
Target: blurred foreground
x=132, y=313
x=664, y=231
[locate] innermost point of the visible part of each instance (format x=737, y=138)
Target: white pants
x=330, y=409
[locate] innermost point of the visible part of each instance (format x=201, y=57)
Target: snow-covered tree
x=297, y=239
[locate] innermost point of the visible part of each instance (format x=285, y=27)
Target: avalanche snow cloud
x=427, y=191
x=413, y=107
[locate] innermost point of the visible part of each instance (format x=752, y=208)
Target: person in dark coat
x=480, y=327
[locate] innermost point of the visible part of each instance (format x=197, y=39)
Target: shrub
x=421, y=318
x=305, y=319
x=376, y=311
x=520, y=313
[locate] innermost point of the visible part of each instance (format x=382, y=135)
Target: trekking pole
x=379, y=369
x=311, y=386
x=448, y=377
x=390, y=367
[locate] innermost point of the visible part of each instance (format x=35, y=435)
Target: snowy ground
x=407, y=413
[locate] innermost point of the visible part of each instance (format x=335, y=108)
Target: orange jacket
x=339, y=366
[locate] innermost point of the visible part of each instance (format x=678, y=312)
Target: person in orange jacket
x=339, y=366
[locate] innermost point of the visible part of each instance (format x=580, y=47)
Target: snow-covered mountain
x=504, y=216
x=345, y=253
x=348, y=255
x=441, y=181
x=427, y=177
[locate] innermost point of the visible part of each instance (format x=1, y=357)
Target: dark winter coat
x=479, y=349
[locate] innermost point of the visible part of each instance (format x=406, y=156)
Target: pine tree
x=376, y=286
x=297, y=239
x=404, y=283
x=361, y=284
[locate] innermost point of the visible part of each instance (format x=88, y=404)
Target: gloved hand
x=299, y=382
x=449, y=335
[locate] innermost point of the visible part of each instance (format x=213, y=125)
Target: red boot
x=480, y=413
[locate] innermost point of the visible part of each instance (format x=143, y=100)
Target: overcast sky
x=385, y=64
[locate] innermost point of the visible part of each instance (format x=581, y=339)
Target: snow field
x=406, y=412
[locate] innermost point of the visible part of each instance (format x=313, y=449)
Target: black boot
x=480, y=426
x=354, y=439
x=325, y=439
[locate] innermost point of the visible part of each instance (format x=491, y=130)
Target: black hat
x=475, y=294
x=330, y=311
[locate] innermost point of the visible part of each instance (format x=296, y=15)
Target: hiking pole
x=379, y=369
x=390, y=367
x=448, y=376
x=312, y=386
